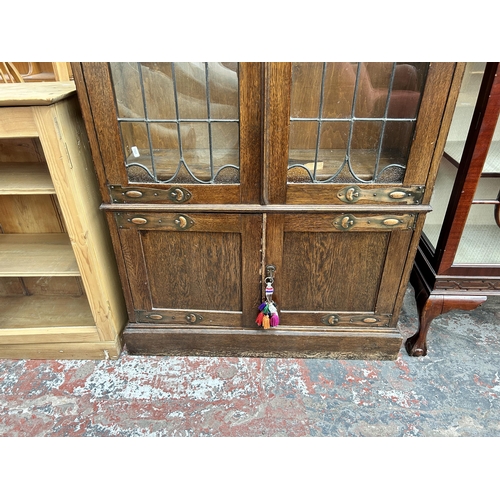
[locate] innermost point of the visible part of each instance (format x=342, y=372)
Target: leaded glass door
x=352, y=133
x=348, y=162
x=179, y=132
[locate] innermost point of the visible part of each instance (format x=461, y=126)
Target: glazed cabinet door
x=177, y=133
x=352, y=133
x=191, y=269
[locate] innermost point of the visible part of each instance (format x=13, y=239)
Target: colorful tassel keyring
x=268, y=311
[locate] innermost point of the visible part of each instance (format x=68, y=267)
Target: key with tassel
x=268, y=311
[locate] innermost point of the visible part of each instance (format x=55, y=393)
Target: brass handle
x=139, y=220
x=133, y=194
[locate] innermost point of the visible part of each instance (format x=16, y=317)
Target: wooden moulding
x=378, y=345
x=63, y=350
x=41, y=94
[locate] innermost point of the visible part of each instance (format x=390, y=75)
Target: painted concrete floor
x=453, y=391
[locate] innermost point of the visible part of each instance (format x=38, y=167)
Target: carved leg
x=428, y=309
x=431, y=307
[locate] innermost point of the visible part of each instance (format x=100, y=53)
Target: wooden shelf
x=37, y=255
x=25, y=178
x=40, y=94
x=491, y=168
x=44, y=311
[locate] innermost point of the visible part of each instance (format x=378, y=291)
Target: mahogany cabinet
x=457, y=265
x=220, y=178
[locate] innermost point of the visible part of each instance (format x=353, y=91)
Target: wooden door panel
x=186, y=270
x=201, y=269
x=327, y=275
x=335, y=271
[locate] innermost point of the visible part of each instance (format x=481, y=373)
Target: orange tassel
x=265, y=322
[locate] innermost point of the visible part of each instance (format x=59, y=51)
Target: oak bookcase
x=217, y=177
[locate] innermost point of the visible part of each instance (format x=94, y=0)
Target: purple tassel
x=262, y=306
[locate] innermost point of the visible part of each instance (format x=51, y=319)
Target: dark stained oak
x=193, y=266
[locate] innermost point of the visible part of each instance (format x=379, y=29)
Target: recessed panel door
x=192, y=269
x=337, y=269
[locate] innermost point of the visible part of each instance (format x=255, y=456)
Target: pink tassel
x=275, y=320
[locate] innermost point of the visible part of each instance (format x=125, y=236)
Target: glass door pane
x=353, y=122
x=179, y=122
x=448, y=168
x=464, y=109
x=480, y=242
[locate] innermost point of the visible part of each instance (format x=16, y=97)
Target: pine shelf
x=25, y=178
x=37, y=255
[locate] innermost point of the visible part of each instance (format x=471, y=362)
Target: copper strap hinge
x=371, y=194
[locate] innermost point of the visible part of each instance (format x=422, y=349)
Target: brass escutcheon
x=330, y=320
x=351, y=193
x=126, y=194
x=346, y=222
x=193, y=318
x=411, y=195
x=178, y=194
x=181, y=221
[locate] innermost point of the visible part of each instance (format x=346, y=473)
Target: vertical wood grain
x=278, y=79
x=397, y=254
x=66, y=149
x=251, y=95
x=100, y=94
x=273, y=253
x=193, y=270
x=429, y=118
x=87, y=114
x=332, y=271
x=251, y=244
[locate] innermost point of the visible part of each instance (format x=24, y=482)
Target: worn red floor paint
x=454, y=391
